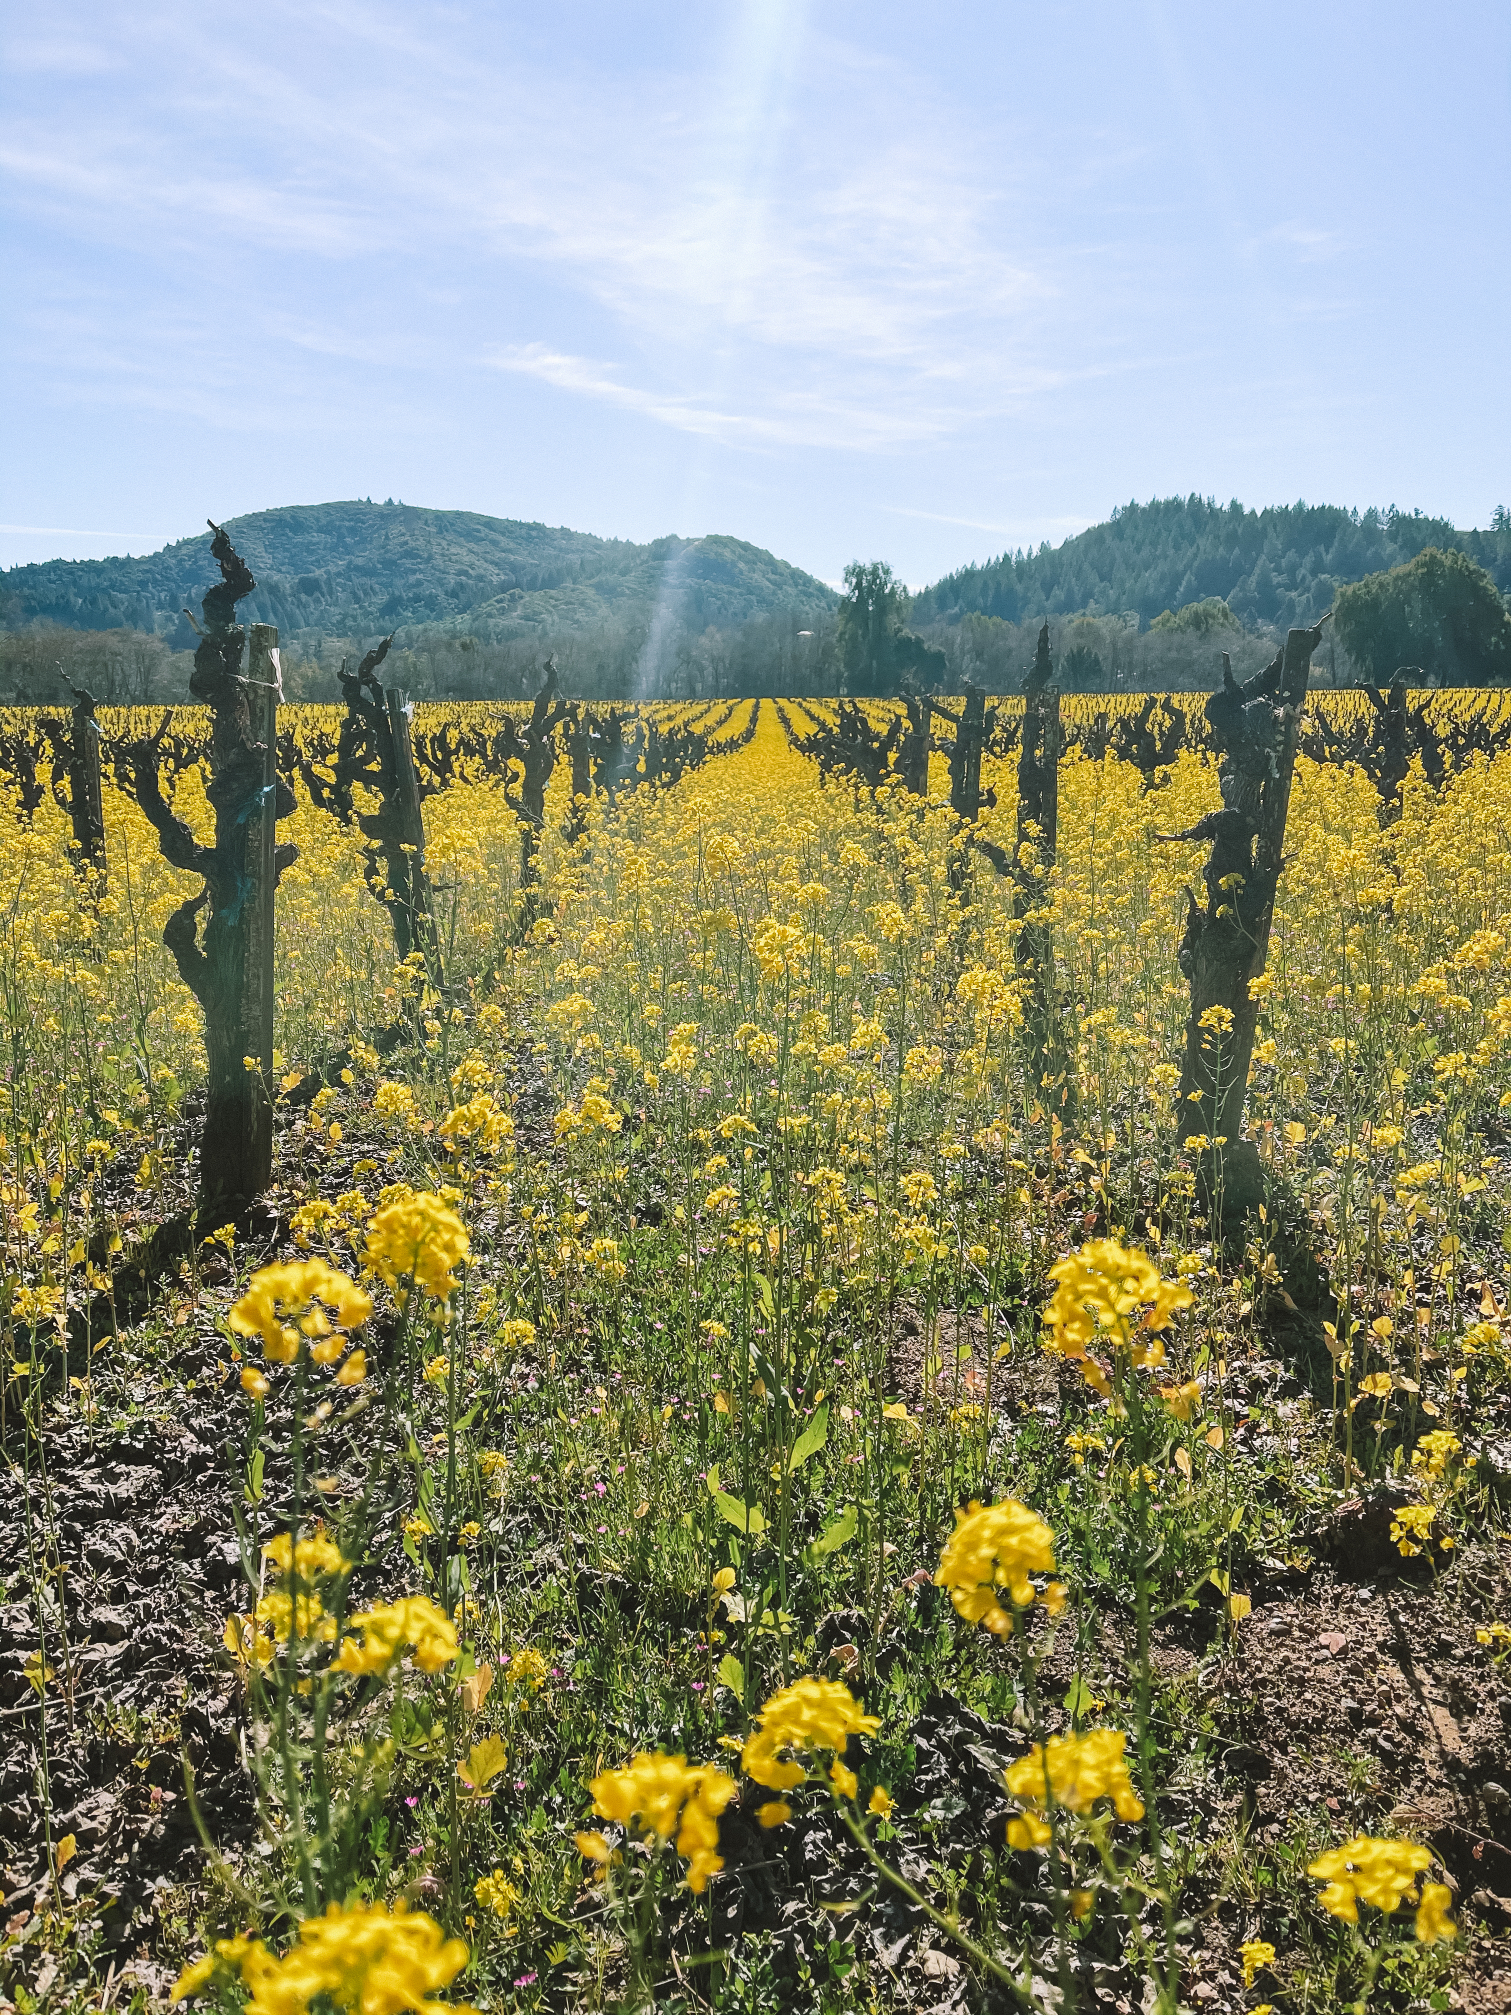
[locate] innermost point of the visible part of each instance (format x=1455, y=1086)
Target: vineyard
x=807, y=1402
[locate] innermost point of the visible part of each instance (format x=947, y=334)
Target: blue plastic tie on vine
x=261, y=796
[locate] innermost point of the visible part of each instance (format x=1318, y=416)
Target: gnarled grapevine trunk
x=85, y=804
x=536, y=753
x=229, y=969
x=375, y=749
x=1032, y=865
x=1256, y=726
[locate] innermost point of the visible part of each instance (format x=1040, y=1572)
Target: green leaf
x=732, y=1675
x=763, y=1293
x=254, y=1479
x=488, y=1759
x=1079, y=1698
x=743, y=1517
x=812, y=1438
x=839, y=1532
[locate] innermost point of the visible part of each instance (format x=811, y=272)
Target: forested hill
x=356, y=568
x=1275, y=567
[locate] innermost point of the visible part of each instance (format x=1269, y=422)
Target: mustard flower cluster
x=286, y=1307
x=390, y=1629
x=496, y=1893
x=417, y=1236
x=1383, y=1873
x=595, y=1111
x=1072, y=1772
x=812, y=1714
x=1108, y=1296
x=365, y=1959
x=666, y=1796
x=292, y=1611
x=998, y=1546
x=480, y=1123
x=314, y=1558
x=1256, y=1954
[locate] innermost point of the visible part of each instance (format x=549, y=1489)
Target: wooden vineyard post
x=409, y=827
x=972, y=725
x=80, y=761
x=264, y=691
x=965, y=764
x=1256, y=726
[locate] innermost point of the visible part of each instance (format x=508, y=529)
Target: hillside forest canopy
x=1142, y=603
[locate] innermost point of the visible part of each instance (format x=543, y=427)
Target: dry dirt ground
x=1353, y=1697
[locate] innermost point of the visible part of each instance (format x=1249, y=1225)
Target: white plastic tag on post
x=277, y=665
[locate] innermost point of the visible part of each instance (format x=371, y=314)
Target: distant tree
x=876, y=648
x=1200, y=619
x=1082, y=670
x=875, y=605
x=1440, y=611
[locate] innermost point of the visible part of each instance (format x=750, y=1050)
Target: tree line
x=1272, y=568
x=1438, y=619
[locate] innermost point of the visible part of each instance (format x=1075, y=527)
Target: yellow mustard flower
x=1366, y=1870
x=1109, y=1296
x=667, y=1796
x=389, y=1630
x=286, y=1306
x=417, y=1236
x=997, y=1546
x=808, y=1715
x=363, y=1958
x=1256, y=1954
x=1072, y=1772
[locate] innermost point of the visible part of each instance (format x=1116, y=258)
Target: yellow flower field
x=680, y=1325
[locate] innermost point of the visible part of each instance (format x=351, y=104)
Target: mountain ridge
x=354, y=567
x=1275, y=567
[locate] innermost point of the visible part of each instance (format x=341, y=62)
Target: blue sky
x=912, y=283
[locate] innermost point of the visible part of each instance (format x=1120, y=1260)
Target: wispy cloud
x=1020, y=528
x=811, y=245
x=792, y=418
x=597, y=381
x=77, y=532
x=1308, y=243
x=764, y=264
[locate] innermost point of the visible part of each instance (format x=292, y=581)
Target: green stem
x=950, y=1926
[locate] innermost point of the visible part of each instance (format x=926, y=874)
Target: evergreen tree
x=1439, y=612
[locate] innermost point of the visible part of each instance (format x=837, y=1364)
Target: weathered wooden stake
x=376, y=748
x=86, y=798
x=536, y=751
